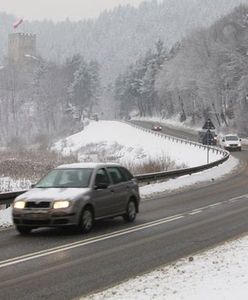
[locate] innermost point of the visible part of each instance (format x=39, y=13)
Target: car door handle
x=112, y=191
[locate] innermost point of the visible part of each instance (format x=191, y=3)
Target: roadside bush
x=154, y=165
x=30, y=164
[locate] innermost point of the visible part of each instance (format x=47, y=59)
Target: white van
x=230, y=142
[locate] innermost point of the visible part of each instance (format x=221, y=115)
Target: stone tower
x=21, y=46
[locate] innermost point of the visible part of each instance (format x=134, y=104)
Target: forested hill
x=206, y=76
x=118, y=37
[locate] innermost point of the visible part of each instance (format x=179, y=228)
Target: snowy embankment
x=9, y=184
x=5, y=217
x=128, y=144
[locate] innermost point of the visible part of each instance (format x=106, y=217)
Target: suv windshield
x=66, y=178
x=232, y=138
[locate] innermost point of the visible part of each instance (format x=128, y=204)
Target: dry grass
x=154, y=165
x=31, y=164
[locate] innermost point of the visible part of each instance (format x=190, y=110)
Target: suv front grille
x=33, y=204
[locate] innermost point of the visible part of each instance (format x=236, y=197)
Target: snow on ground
x=216, y=274
x=9, y=184
x=220, y=273
x=5, y=217
x=130, y=144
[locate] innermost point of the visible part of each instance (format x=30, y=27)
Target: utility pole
x=208, y=137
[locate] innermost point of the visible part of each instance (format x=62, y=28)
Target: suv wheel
x=23, y=230
x=130, y=214
x=86, y=220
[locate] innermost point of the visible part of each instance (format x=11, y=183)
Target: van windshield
x=231, y=138
x=66, y=178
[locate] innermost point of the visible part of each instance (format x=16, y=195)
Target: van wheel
x=86, y=220
x=130, y=214
x=23, y=230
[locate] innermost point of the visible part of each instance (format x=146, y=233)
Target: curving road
x=51, y=264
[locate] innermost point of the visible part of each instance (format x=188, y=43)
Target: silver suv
x=76, y=195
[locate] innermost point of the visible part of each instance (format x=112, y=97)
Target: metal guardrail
x=8, y=198
x=176, y=173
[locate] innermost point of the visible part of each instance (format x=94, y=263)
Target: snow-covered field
x=129, y=144
x=216, y=274
x=119, y=142
x=220, y=273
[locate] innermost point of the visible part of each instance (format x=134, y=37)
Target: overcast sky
x=60, y=9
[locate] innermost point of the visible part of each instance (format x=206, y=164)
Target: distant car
x=230, y=142
x=156, y=127
x=76, y=195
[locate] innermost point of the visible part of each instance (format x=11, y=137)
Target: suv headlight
x=19, y=204
x=61, y=204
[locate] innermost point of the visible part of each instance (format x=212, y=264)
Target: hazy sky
x=60, y=9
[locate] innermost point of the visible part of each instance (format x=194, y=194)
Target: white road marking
x=216, y=204
x=69, y=246
x=238, y=198
x=196, y=211
x=38, y=254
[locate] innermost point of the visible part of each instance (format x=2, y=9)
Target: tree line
x=205, y=75
x=40, y=100
x=119, y=36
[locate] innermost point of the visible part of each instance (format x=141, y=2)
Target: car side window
x=102, y=177
x=116, y=175
x=126, y=173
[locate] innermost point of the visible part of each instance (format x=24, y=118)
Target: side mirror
x=223, y=140
x=32, y=185
x=240, y=140
x=101, y=186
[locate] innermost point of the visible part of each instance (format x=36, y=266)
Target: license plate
x=36, y=216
